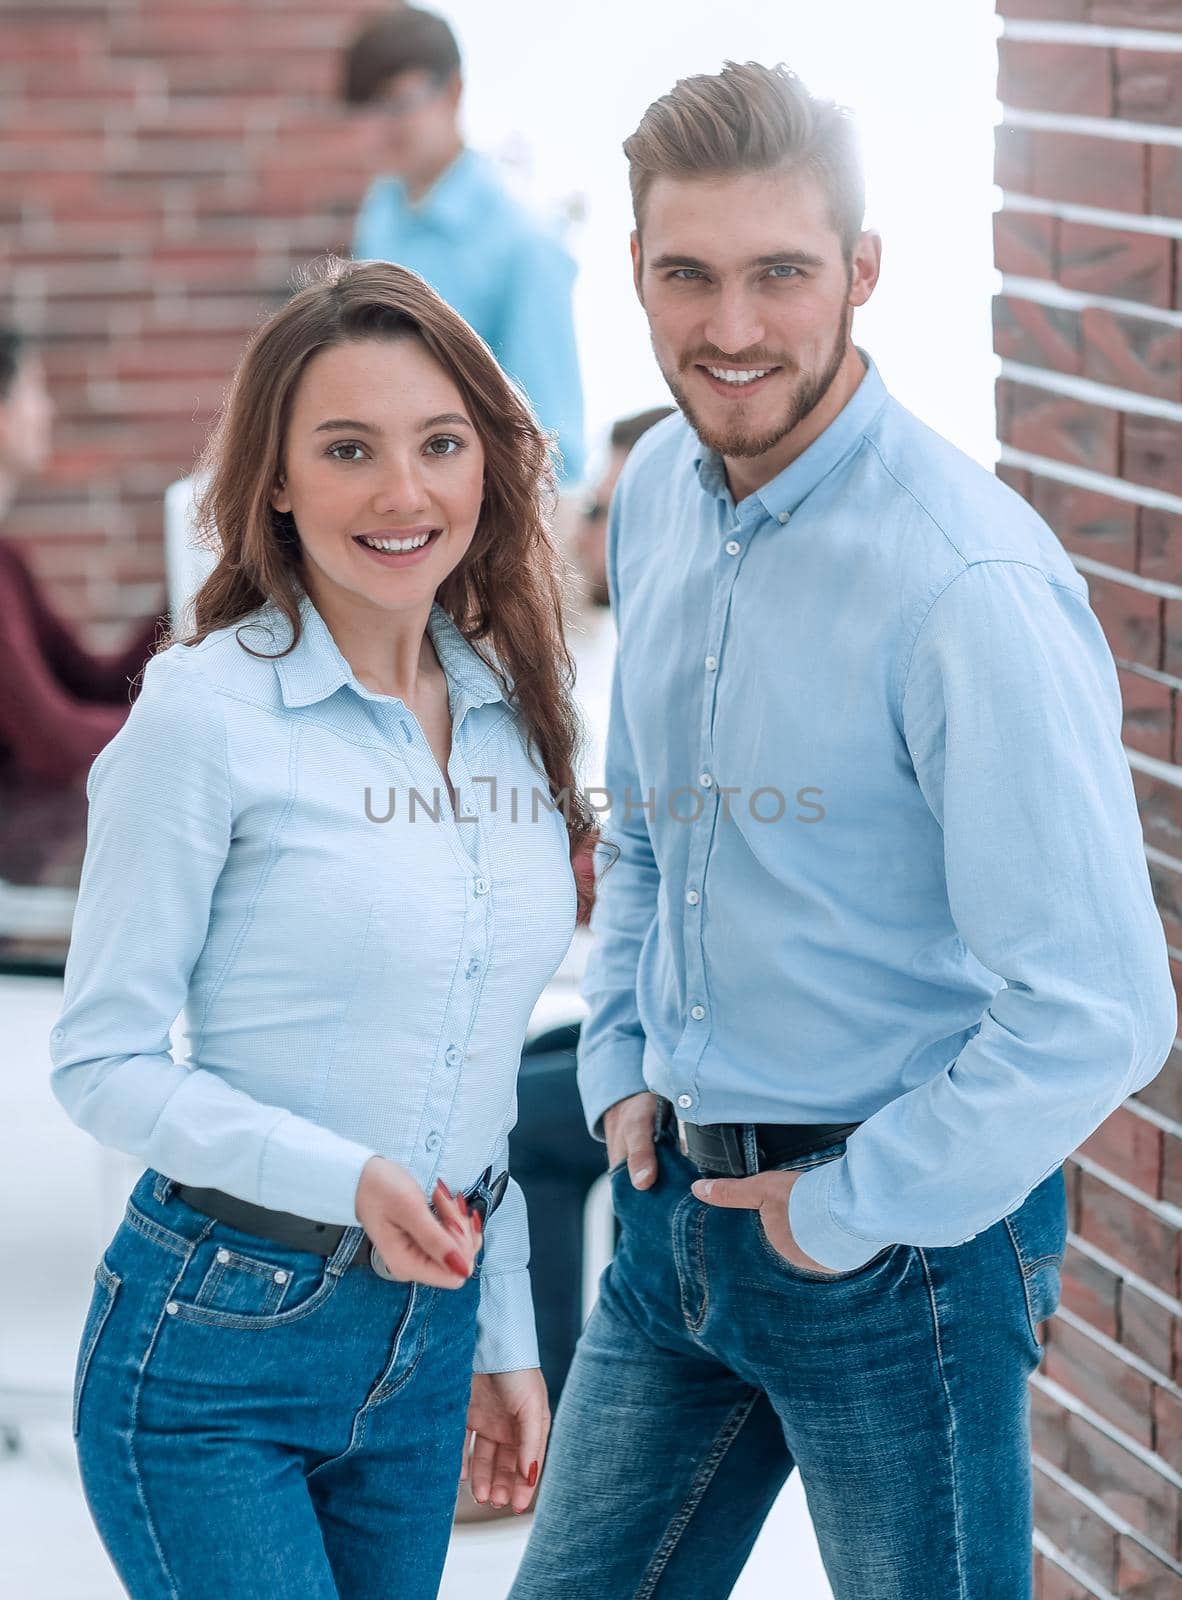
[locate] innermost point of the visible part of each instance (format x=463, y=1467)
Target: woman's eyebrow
x=335, y=424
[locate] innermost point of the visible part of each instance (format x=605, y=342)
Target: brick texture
x=1106, y=1404
x=157, y=191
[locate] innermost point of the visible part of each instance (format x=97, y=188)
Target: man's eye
x=784, y=270
x=345, y=445
x=449, y=442
x=685, y=274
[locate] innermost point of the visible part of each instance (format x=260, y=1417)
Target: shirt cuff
x=312, y=1171
x=610, y=1074
x=814, y=1229
x=506, y=1339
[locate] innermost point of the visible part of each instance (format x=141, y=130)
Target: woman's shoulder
x=234, y=661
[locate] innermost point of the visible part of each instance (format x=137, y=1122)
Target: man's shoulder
x=966, y=511
x=662, y=452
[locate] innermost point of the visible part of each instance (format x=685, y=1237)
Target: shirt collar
x=453, y=200
x=316, y=668
x=788, y=489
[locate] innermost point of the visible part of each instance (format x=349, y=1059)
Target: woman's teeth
x=731, y=375
x=395, y=544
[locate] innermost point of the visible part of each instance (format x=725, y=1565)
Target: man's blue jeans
x=711, y=1366
x=289, y=1430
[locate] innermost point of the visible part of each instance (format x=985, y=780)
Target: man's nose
x=735, y=323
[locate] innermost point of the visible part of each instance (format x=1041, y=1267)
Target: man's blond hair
x=750, y=118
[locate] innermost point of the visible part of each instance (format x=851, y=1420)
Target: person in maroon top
x=59, y=704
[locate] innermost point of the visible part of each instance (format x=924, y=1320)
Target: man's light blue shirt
x=498, y=267
x=948, y=932
x=357, y=969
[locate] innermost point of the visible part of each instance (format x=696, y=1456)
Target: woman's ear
x=280, y=499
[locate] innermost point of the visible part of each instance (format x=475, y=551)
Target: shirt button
x=454, y=1056
x=58, y=1033
x=711, y=663
x=280, y=1276
x=785, y=516
x=472, y=968
x=697, y=1012
x=685, y=1101
x=481, y=886
x=223, y=1255
x=733, y=547
x=693, y=897
x=433, y=1140
x=706, y=780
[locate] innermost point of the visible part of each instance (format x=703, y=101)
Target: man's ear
x=865, y=267
x=637, y=263
x=280, y=499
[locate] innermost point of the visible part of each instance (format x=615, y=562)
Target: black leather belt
x=721, y=1147
x=322, y=1238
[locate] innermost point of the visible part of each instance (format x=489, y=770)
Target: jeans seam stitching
x=149, y=1521
x=111, y=1282
x=705, y=1477
x=1025, y=1281
x=956, y=1506
x=156, y=1233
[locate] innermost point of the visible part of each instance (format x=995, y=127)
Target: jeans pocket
x=106, y=1286
x=236, y=1280
x=1038, y=1233
x=806, y=1274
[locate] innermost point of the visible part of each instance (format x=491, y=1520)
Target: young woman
x=338, y=829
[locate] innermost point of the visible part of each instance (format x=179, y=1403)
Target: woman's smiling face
x=381, y=449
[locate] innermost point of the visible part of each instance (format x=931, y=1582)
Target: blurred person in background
x=850, y=1011
x=439, y=208
x=290, y=1347
x=60, y=703
x=552, y=1155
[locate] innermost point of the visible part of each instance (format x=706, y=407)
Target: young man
x=880, y=950
x=440, y=209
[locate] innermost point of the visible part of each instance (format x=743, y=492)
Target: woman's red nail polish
x=479, y=1222
x=533, y=1474
x=462, y=1203
x=456, y=1262
x=439, y=1184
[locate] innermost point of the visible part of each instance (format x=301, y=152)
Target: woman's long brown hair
x=507, y=589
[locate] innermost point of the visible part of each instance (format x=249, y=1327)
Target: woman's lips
x=398, y=558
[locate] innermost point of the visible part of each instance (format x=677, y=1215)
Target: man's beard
x=810, y=391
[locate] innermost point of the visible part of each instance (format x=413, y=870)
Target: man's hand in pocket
x=628, y=1129
x=767, y=1193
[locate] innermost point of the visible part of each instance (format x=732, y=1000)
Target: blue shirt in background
x=357, y=976
x=506, y=276
x=929, y=908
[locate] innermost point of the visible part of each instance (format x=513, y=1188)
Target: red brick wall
x=163, y=167
x=1088, y=324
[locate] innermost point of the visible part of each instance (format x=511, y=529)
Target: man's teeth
x=731, y=375
x=396, y=544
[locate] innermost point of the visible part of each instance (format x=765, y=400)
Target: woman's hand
x=508, y=1425
x=416, y=1244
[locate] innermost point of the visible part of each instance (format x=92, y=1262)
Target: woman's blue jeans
x=255, y=1422
x=711, y=1366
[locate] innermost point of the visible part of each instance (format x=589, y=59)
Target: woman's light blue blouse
x=271, y=847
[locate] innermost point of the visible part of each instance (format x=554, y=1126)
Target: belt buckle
x=682, y=1143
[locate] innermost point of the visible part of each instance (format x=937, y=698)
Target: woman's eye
x=346, y=445
x=445, y=444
